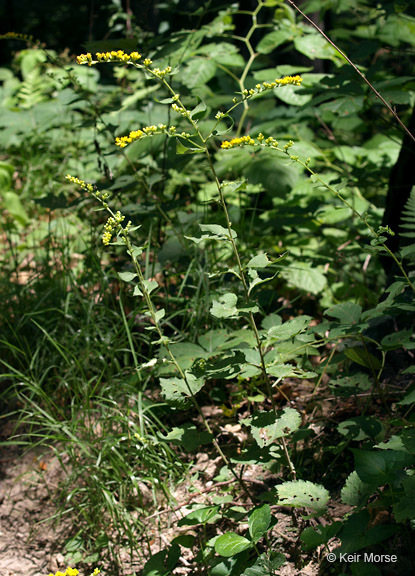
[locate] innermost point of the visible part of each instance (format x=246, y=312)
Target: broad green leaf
x=150, y=285
x=272, y=40
x=225, y=306
x=363, y=357
x=303, y=494
x=12, y=203
x=379, y=467
x=397, y=340
x=362, y=427
x=201, y=516
x=292, y=95
x=163, y=562
x=259, y=521
x=288, y=329
x=177, y=392
x=230, y=544
x=304, y=276
x=313, y=537
x=314, y=46
x=187, y=436
x=266, y=565
x=355, y=492
x=260, y=261
x=198, y=111
x=198, y=71
x=346, y=312
x=404, y=508
x=127, y=276
x=183, y=147
x=266, y=427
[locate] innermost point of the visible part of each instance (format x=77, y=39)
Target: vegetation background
x=234, y=393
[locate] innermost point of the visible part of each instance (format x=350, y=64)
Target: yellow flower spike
x=71, y=571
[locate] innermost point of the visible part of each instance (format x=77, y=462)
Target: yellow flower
x=242, y=141
x=113, y=56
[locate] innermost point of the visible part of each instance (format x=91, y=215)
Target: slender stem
x=378, y=95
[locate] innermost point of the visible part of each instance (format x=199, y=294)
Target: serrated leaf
x=259, y=521
x=230, y=544
x=355, y=492
x=288, y=329
x=177, y=392
x=266, y=427
x=303, y=494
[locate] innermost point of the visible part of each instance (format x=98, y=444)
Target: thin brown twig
x=378, y=95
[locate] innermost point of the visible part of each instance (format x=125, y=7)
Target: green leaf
x=379, y=468
x=304, y=276
x=200, y=516
x=216, y=232
x=162, y=563
x=198, y=71
x=230, y=544
x=363, y=357
x=266, y=564
x=303, y=494
x=177, y=392
x=313, y=537
x=361, y=428
x=314, y=46
x=409, y=399
x=150, y=285
x=183, y=147
x=266, y=427
x=404, y=508
x=272, y=40
x=12, y=203
x=259, y=521
x=397, y=340
x=355, y=492
x=187, y=436
x=260, y=261
x=346, y=312
x=198, y=111
x=225, y=307
x=127, y=276
x=289, y=329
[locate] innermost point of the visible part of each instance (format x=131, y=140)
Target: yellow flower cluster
x=81, y=183
x=16, y=36
x=249, y=141
x=73, y=572
x=242, y=141
x=286, y=81
x=114, y=56
x=123, y=141
x=111, y=226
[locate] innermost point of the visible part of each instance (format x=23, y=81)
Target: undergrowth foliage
x=217, y=229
